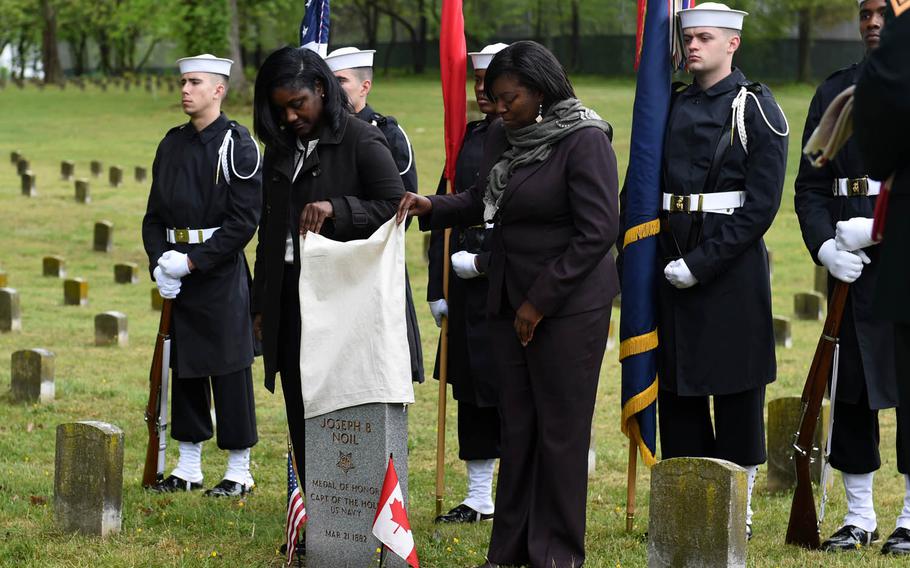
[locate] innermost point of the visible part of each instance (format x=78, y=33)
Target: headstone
x=103, y=236
x=88, y=478
x=126, y=273
x=821, y=280
x=782, y=332
x=140, y=174
x=157, y=300
x=115, y=177
x=783, y=422
x=14, y=157
x=10, y=316
x=53, y=265
x=22, y=166
x=697, y=514
x=96, y=168
x=809, y=306
x=75, y=292
x=67, y=169
x=347, y=452
x=611, y=336
x=33, y=376
x=83, y=192
x=111, y=330
x=28, y=184
x=4, y=280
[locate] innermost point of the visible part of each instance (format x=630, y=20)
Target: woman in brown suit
x=548, y=183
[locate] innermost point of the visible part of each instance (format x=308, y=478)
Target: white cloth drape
x=353, y=335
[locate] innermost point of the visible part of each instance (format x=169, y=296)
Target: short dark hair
x=535, y=68
x=363, y=73
x=294, y=68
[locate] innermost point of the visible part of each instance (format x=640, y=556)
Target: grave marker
x=33, y=376
x=103, y=240
x=809, y=306
x=782, y=332
x=88, y=478
x=53, y=265
x=115, y=177
x=83, y=192
x=28, y=184
x=75, y=292
x=111, y=330
x=67, y=169
x=126, y=273
x=10, y=316
x=96, y=168
x=697, y=514
x=784, y=415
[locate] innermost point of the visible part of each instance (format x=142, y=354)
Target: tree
x=50, y=55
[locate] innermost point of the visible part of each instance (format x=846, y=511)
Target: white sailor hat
x=349, y=58
x=481, y=59
x=205, y=63
x=712, y=15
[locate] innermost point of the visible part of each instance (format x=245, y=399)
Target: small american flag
x=314, y=29
x=296, y=509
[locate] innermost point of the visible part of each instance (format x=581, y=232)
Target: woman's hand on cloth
x=526, y=319
x=412, y=205
x=314, y=215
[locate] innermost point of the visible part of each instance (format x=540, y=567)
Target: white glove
x=464, y=265
x=844, y=265
x=174, y=264
x=679, y=275
x=854, y=234
x=168, y=287
x=439, y=308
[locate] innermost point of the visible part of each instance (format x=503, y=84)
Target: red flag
x=391, y=525
x=453, y=61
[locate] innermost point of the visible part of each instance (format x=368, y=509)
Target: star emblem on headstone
x=345, y=462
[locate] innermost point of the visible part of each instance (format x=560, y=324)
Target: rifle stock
x=150, y=474
x=802, y=529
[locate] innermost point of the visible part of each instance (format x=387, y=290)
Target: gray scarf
x=534, y=143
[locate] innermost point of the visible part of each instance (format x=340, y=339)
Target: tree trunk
x=104, y=52
x=420, y=56
x=575, y=44
x=392, y=41
x=238, y=79
x=804, y=71
x=50, y=55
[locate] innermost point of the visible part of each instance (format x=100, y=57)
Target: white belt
x=856, y=187
x=190, y=236
x=723, y=202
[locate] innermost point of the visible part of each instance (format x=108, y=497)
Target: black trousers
x=737, y=435
x=235, y=409
x=546, y=404
x=289, y=364
x=902, y=359
x=478, y=432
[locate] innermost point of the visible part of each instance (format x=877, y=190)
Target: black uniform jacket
x=403, y=154
x=211, y=329
x=717, y=337
x=819, y=210
x=354, y=170
x=882, y=129
x=401, y=148
x=471, y=368
x=556, y=222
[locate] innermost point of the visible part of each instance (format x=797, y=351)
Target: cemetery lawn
x=110, y=384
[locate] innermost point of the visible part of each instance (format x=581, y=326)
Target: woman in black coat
x=548, y=183
x=324, y=171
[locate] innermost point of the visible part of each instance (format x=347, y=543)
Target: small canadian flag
x=391, y=524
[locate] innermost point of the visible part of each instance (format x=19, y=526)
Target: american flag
x=314, y=29
x=296, y=509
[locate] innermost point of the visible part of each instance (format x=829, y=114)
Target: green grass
x=110, y=384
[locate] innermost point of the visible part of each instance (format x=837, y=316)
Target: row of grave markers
x=151, y=86
x=67, y=173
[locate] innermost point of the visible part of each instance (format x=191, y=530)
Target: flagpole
x=443, y=377
x=630, y=484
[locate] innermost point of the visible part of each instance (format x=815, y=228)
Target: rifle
x=156, y=410
x=802, y=529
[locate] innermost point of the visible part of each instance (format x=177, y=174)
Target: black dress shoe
x=898, y=543
x=849, y=537
x=463, y=514
x=228, y=488
x=173, y=484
